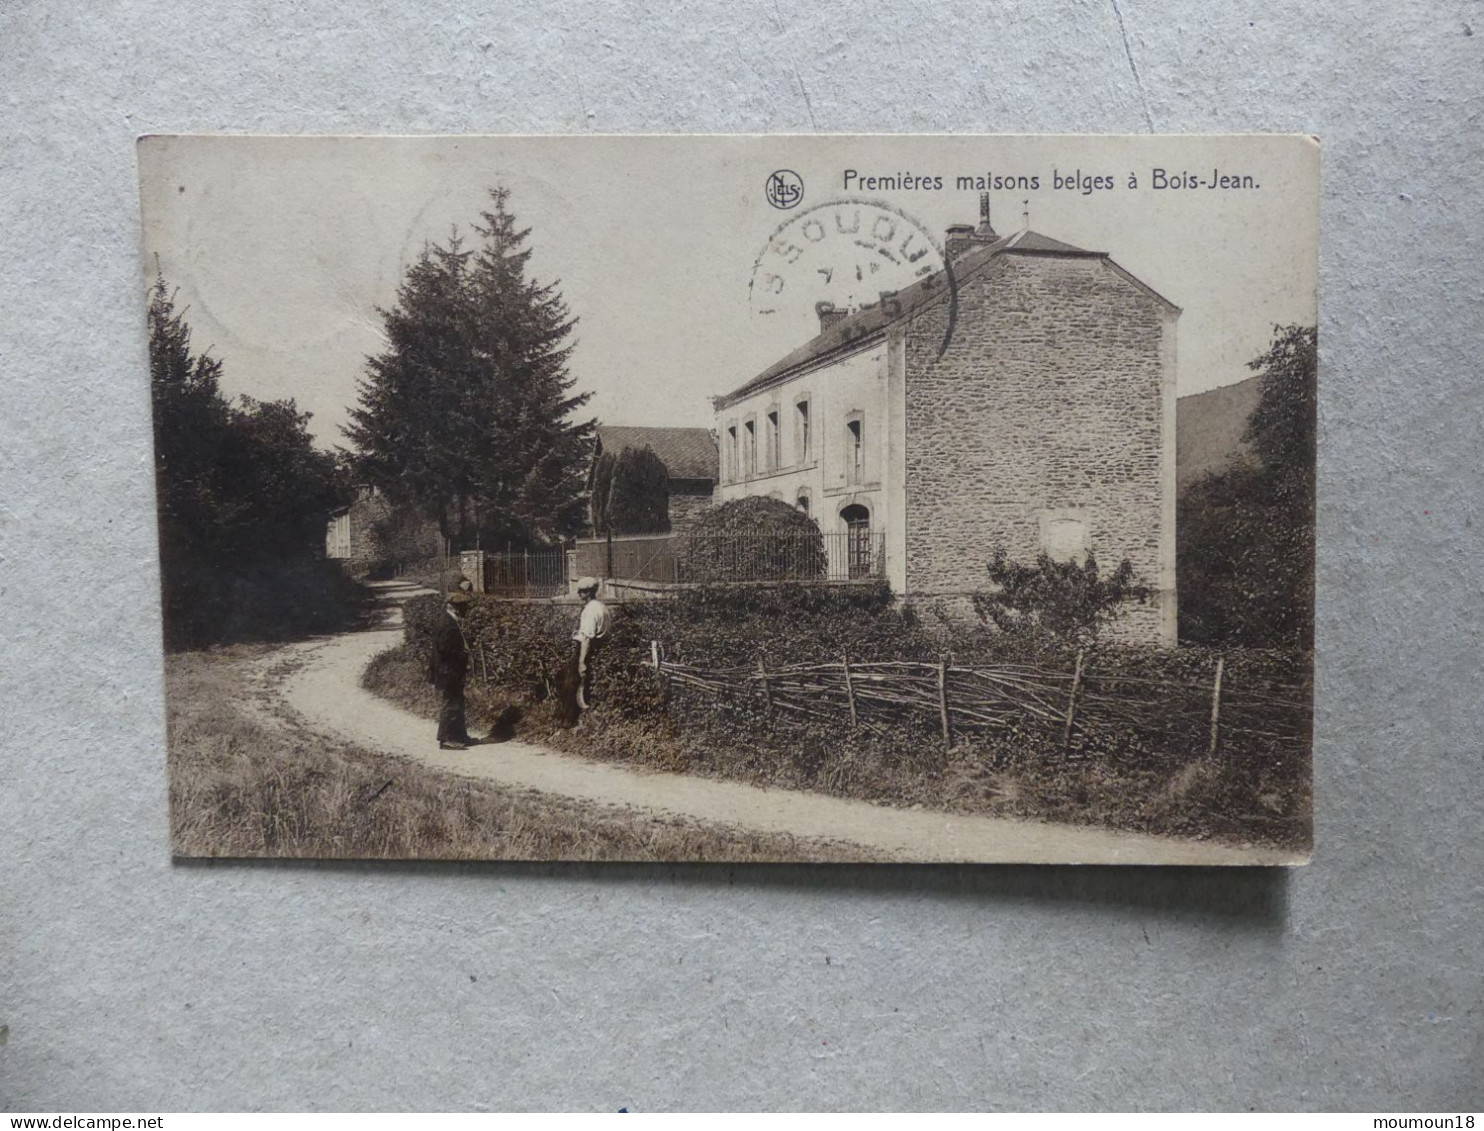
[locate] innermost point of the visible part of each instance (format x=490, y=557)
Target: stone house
x=1041, y=419
x=689, y=455
x=348, y=537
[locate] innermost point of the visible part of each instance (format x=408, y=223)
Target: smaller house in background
x=689, y=455
x=348, y=538
x=364, y=540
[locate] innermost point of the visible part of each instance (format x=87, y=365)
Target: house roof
x=871, y=320
x=688, y=453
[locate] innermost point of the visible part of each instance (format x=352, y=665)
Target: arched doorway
x=857, y=541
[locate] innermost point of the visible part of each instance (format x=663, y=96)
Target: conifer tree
x=631, y=493
x=466, y=415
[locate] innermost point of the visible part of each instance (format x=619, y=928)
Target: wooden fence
x=1187, y=715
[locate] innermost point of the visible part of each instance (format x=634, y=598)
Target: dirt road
x=326, y=691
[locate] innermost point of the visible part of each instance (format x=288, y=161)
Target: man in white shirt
x=592, y=631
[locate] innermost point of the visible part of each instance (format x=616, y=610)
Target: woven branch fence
x=962, y=699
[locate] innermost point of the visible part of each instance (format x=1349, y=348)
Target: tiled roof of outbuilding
x=688, y=453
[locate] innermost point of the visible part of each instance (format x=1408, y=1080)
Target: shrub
x=1068, y=601
x=752, y=539
x=1143, y=716
x=206, y=606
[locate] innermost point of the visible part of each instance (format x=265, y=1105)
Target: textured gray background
x=131, y=983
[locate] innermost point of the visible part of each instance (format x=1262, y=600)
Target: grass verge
x=246, y=781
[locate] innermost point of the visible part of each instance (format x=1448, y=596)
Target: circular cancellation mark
x=848, y=254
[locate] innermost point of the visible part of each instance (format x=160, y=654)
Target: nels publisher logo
x=785, y=188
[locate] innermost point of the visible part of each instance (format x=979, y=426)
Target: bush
x=523, y=647
x=1068, y=601
x=269, y=601
x=525, y=644
x=752, y=539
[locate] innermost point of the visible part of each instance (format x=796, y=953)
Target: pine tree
x=411, y=435
x=466, y=414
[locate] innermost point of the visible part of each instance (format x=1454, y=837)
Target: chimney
x=960, y=239
x=986, y=232
x=829, y=315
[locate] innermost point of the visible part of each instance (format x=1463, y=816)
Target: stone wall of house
x=368, y=509
x=689, y=499
x=1046, y=424
x=416, y=544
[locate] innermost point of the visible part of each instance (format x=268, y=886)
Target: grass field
x=247, y=781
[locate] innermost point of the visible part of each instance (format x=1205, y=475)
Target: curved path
x=325, y=689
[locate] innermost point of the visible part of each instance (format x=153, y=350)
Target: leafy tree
x=400, y=536
x=752, y=539
x=631, y=493
x=1066, y=600
x=465, y=415
x=1245, y=536
x=191, y=420
x=283, y=486
x=243, y=496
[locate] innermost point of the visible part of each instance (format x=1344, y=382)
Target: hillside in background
x=1209, y=427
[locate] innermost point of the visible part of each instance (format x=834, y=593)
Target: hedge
x=728, y=626
x=1152, y=777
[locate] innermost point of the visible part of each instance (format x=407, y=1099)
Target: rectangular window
x=749, y=448
x=803, y=430
x=731, y=453
x=857, y=456
x=775, y=453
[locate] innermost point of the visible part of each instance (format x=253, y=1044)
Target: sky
x=685, y=279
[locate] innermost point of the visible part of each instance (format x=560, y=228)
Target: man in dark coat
x=448, y=666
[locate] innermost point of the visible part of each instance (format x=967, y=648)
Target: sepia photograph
x=736, y=498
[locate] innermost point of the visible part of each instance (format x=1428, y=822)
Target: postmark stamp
x=845, y=255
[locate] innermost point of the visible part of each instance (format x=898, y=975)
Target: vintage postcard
x=938, y=498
